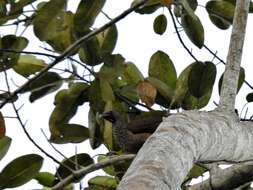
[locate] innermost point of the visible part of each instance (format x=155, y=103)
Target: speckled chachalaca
x=130, y=136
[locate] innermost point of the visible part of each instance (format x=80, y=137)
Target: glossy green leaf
x=103, y=182
x=240, y=81
x=160, y=24
x=11, y=42
x=109, y=169
x=71, y=133
x=161, y=67
x=20, y=171
x=107, y=40
x=45, y=27
x=86, y=14
x=47, y=83
x=28, y=64
x=132, y=74
x=94, y=130
x=75, y=162
x=193, y=29
x=45, y=179
x=249, y=97
x=5, y=143
x=221, y=13
x=201, y=78
x=66, y=104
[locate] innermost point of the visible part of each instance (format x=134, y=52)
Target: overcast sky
x=136, y=42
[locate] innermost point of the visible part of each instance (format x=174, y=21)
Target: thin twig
x=28, y=52
x=179, y=36
x=70, y=49
x=79, y=174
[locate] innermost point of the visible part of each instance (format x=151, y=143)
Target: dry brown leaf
x=147, y=93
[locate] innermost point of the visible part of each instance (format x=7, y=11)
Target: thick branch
x=70, y=49
x=183, y=139
x=229, y=178
x=231, y=75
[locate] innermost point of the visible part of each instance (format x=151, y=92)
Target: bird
x=130, y=136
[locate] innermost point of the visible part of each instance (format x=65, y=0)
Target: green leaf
x=109, y=169
x=201, y=78
x=162, y=88
x=161, y=67
x=94, y=130
x=160, y=24
x=190, y=102
x=196, y=171
x=149, y=7
x=71, y=133
x=5, y=143
x=20, y=171
x=11, y=42
x=86, y=14
x=132, y=74
x=107, y=40
x=45, y=21
x=193, y=29
x=45, y=84
x=63, y=35
x=45, y=179
x=249, y=97
x=112, y=69
x=14, y=10
x=67, y=102
x=95, y=97
x=89, y=52
x=182, y=86
x=240, y=81
x=75, y=162
x=103, y=182
x=221, y=13
x=106, y=90
x=28, y=64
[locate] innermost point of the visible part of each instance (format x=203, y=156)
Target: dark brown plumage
x=131, y=136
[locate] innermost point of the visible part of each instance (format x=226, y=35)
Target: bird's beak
x=108, y=116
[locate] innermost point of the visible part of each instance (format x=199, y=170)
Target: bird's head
x=111, y=116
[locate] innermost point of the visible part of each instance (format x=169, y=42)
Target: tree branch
x=79, y=174
x=229, y=178
x=70, y=49
x=232, y=71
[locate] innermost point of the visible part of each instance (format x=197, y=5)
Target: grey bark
x=189, y=137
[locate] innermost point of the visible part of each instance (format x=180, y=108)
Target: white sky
x=136, y=42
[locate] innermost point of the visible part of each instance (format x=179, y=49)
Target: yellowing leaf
x=147, y=93
x=28, y=64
